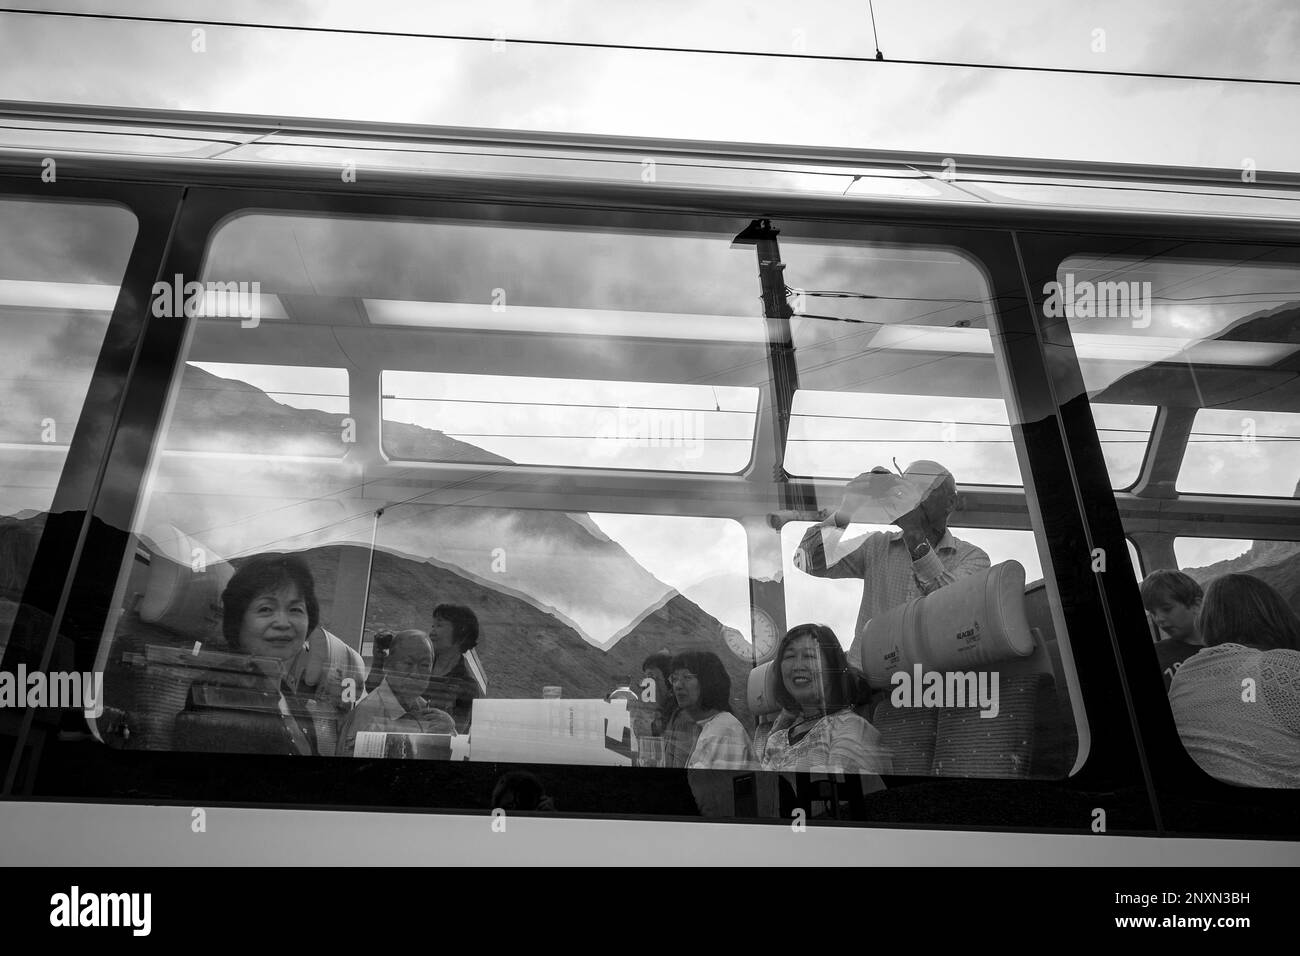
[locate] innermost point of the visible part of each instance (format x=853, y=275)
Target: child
x=1173, y=600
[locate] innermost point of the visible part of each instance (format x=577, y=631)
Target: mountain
x=1274, y=562
x=222, y=414
x=551, y=589
x=522, y=648
x=679, y=624
x=562, y=562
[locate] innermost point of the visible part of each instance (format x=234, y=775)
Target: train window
x=1212, y=343
x=487, y=362
x=1243, y=452
x=1125, y=432
x=477, y=576
x=1276, y=562
x=60, y=267
x=971, y=433
x=831, y=433
x=898, y=373
x=570, y=422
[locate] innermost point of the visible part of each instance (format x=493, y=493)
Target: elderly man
x=895, y=567
x=396, y=706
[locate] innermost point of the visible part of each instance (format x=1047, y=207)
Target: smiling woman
x=817, y=730
x=270, y=611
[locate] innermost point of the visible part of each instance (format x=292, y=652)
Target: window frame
x=1188, y=800
x=46, y=596
x=1111, y=777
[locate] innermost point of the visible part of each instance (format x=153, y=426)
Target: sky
x=702, y=95
x=509, y=85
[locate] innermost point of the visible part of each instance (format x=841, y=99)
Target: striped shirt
x=890, y=577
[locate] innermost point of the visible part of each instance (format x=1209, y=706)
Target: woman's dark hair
x=266, y=574
x=1242, y=609
x=715, y=682
x=841, y=683
x=662, y=661
x=464, y=624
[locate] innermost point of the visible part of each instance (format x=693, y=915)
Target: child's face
x=1175, y=618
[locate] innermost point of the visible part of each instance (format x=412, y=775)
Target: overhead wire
x=646, y=48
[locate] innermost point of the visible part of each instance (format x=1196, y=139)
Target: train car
x=408, y=494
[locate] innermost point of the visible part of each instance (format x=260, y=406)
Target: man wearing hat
x=895, y=566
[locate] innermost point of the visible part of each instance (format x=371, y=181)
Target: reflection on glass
x=576, y=423
x=539, y=609
x=832, y=433
x=835, y=602
x=60, y=266
x=1211, y=347
x=246, y=409
x=1243, y=452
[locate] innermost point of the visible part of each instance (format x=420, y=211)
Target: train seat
x=977, y=628
x=173, y=603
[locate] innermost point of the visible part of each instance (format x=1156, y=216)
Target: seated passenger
x=396, y=706
x=1172, y=598
x=656, y=668
x=269, y=609
x=817, y=730
x=1237, y=702
x=383, y=646
x=453, y=687
x=703, y=691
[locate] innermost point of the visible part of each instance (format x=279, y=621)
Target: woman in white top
x=702, y=688
x=1237, y=702
x=818, y=731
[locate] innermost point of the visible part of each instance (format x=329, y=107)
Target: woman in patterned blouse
x=818, y=731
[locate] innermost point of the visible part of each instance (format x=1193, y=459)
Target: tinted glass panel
x=1212, y=344
x=407, y=539
x=60, y=266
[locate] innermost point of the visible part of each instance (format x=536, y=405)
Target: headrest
x=974, y=622
x=761, y=691
x=186, y=580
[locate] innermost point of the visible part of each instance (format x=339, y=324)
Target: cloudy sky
x=513, y=85
x=702, y=95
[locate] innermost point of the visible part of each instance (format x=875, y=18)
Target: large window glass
x=1210, y=344
x=533, y=491
x=60, y=268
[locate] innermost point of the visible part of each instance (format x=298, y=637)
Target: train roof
x=188, y=147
